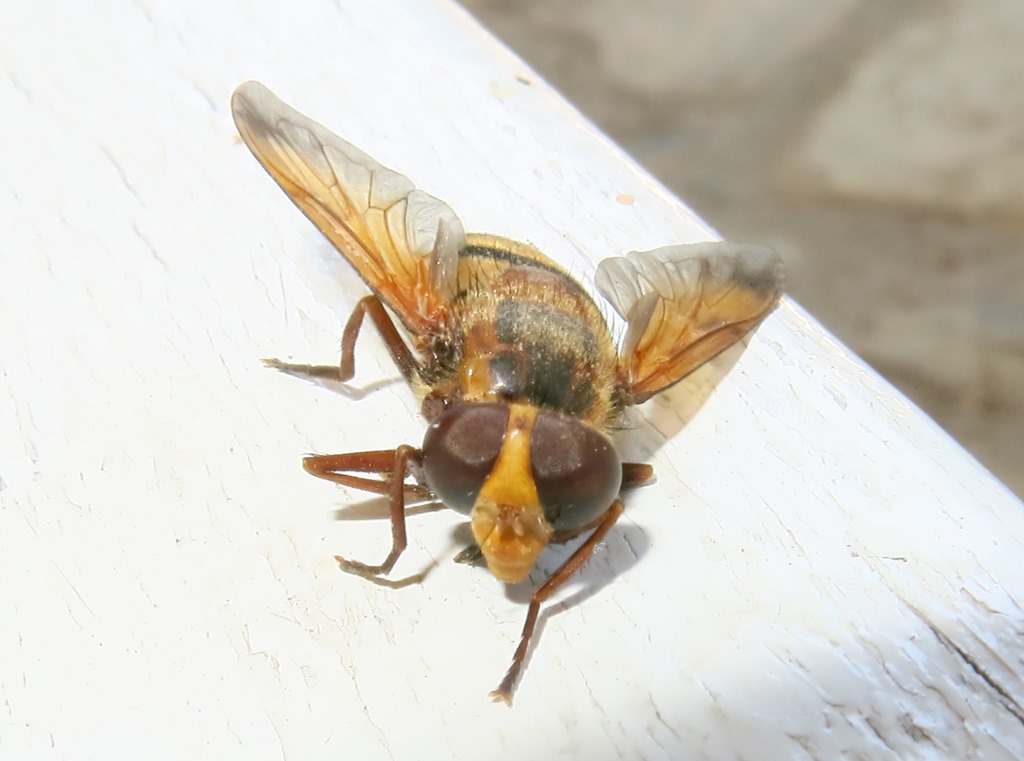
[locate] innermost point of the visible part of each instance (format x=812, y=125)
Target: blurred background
x=878, y=145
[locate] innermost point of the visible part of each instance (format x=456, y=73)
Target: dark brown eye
x=576, y=469
x=459, y=451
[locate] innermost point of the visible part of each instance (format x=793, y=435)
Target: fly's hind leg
x=394, y=465
x=346, y=368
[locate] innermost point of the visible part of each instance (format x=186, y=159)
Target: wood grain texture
x=819, y=571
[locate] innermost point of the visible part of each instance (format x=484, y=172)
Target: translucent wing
x=402, y=241
x=684, y=304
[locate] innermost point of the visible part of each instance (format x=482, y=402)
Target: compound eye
x=576, y=469
x=459, y=451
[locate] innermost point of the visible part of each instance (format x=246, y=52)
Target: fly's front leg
x=636, y=474
x=545, y=590
x=344, y=370
x=395, y=465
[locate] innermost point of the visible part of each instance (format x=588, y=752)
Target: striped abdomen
x=529, y=333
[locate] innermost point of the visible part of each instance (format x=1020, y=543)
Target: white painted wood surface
x=819, y=571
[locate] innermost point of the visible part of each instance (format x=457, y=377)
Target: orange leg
x=395, y=465
x=636, y=474
x=396, y=346
x=545, y=590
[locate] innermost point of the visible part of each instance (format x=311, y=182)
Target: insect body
x=518, y=374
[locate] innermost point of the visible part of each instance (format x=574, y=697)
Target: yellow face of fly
x=508, y=519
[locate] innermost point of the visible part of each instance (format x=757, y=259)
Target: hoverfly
x=514, y=363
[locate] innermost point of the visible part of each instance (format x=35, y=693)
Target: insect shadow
x=355, y=392
x=624, y=547
x=643, y=432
